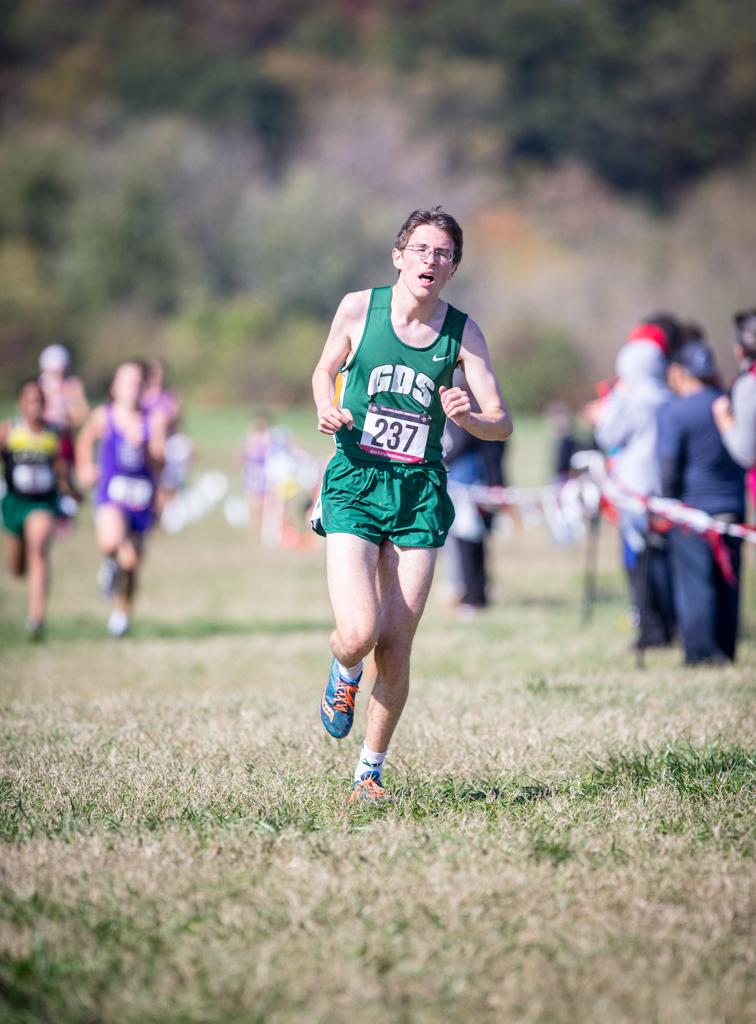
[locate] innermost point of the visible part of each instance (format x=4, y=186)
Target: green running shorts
x=404, y=503
x=16, y=508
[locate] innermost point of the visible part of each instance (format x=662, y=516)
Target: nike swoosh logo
x=439, y=359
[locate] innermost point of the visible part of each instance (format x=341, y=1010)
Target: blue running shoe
x=337, y=706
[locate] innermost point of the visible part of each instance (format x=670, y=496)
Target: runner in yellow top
x=35, y=475
x=384, y=506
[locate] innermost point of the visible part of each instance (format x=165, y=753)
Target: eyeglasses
x=424, y=251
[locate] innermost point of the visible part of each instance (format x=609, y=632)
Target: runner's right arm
x=87, y=470
x=343, y=338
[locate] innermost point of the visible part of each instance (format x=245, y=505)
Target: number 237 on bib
x=394, y=434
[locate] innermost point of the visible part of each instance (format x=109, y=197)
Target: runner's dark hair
x=27, y=382
x=439, y=219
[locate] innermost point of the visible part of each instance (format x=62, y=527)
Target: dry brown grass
x=573, y=839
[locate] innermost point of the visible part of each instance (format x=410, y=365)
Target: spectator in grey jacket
x=625, y=425
x=736, y=416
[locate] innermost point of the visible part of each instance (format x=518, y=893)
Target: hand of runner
x=87, y=474
x=331, y=419
x=456, y=405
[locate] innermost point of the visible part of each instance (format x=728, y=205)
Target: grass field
x=573, y=838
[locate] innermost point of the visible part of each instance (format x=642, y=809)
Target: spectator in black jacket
x=470, y=461
x=697, y=469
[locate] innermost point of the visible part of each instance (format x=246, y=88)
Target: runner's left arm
x=493, y=422
x=63, y=482
x=158, y=435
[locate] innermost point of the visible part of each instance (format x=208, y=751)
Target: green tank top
x=391, y=389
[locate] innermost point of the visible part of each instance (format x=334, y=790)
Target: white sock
x=350, y=675
x=369, y=761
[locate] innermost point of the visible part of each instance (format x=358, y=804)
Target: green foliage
x=541, y=363
x=36, y=189
x=244, y=349
x=675, y=107
x=309, y=243
x=31, y=312
x=122, y=250
x=650, y=95
x=161, y=159
x=325, y=29
x=229, y=93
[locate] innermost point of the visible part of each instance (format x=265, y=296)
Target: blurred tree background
x=203, y=180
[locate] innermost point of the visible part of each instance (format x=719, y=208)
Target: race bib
x=401, y=436
x=133, y=492
x=30, y=479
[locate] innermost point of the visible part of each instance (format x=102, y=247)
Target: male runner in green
x=384, y=507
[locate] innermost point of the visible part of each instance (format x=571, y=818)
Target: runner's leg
x=352, y=564
x=38, y=529
x=114, y=541
x=15, y=554
x=110, y=529
x=405, y=577
x=129, y=557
